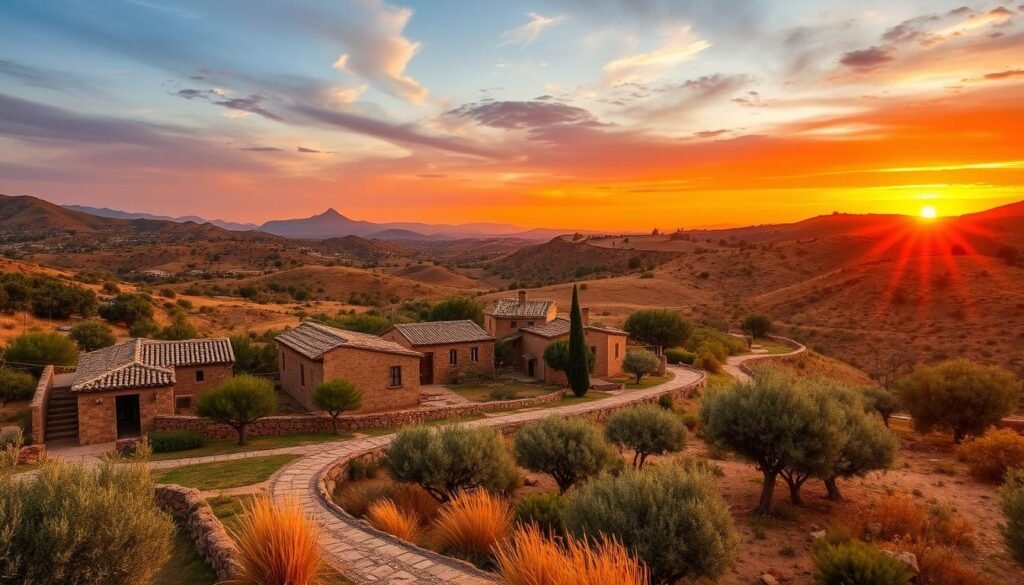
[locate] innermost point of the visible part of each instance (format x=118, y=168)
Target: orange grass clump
x=899, y=517
x=384, y=515
x=471, y=524
x=277, y=545
x=412, y=499
x=531, y=558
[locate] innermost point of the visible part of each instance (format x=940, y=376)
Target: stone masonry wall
x=321, y=423
x=191, y=511
x=38, y=407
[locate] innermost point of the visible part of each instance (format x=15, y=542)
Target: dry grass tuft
x=277, y=545
x=531, y=558
x=471, y=524
x=384, y=515
x=941, y=565
x=989, y=457
x=901, y=518
x=412, y=499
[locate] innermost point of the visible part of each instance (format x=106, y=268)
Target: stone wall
x=321, y=423
x=97, y=412
x=38, y=406
x=798, y=349
x=192, y=512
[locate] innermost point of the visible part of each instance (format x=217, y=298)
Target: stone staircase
x=61, y=415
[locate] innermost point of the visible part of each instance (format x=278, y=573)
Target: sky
x=594, y=114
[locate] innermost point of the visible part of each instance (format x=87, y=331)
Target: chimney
x=522, y=297
x=586, y=316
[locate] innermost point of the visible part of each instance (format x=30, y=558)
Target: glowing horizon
x=613, y=116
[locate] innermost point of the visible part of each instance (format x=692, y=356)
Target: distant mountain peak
x=331, y=212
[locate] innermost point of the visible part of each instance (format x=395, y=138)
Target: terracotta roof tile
x=560, y=326
x=313, y=340
x=528, y=310
x=441, y=332
x=140, y=363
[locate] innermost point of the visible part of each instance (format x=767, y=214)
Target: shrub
x=566, y=449
x=39, y=350
x=882, y=401
x=640, y=362
x=336, y=396
x=898, y=517
x=757, y=326
x=658, y=327
x=640, y=509
x=277, y=545
x=707, y=361
x=857, y=563
x=91, y=335
x=180, y=328
x=543, y=509
x=961, y=396
x=15, y=385
x=385, y=516
x=90, y=526
x=666, y=402
x=356, y=500
x=238, y=402
x=471, y=524
x=169, y=441
x=690, y=420
x=128, y=308
x=502, y=393
x=718, y=342
x=646, y=430
x=358, y=469
x=680, y=356
x=458, y=308
x=253, y=358
x=1011, y=502
x=451, y=459
x=533, y=558
x=556, y=356
x=990, y=456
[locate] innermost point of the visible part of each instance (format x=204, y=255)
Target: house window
x=616, y=350
x=593, y=349
x=302, y=375
x=284, y=363
x=182, y=402
x=395, y=377
x=200, y=376
x=514, y=323
x=453, y=357
x=474, y=354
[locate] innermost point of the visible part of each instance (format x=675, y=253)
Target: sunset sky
x=596, y=114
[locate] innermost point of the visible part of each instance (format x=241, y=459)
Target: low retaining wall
x=38, y=406
x=798, y=349
x=328, y=479
x=321, y=423
x=212, y=541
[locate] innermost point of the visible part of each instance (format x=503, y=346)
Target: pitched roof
x=559, y=326
x=313, y=340
x=527, y=310
x=143, y=363
x=441, y=332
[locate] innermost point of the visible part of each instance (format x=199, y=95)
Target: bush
x=640, y=362
x=128, y=308
x=857, y=563
x=961, y=396
x=757, y=326
x=358, y=469
x=990, y=456
x=566, y=449
x=556, y=356
x=74, y=524
x=180, y=328
x=673, y=520
x=680, y=356
x=15, y=385
x=471, y=524
x=718, y=342
x=356, y=500
x=451, y=459
x=91, y=335
x=666, y=402
x=456, y=309
x=658, y=327
x=1011, y=502
x=546, y=510
x=707, y=361
x=690, y=420
x=385, y=516
x=502, y=393
x=881, y=401
x=277, y=545
x=531, y=557
x=898, y=516
x=646, y=430
x=253, y=358
x=335, y=397
x=238, y=402
x=170, y=441
x=39, y=350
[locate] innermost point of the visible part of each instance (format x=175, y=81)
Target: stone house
x=116, y=392
x=607, y=344
x=508, y=316
x=451, y=349
x=386, y=373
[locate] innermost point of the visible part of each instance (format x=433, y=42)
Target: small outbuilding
x=451, y=350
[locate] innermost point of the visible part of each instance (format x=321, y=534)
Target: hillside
x=561, y=259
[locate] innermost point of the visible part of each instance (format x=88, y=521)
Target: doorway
x=129, y=423
x=427, y=369
x=531, y=368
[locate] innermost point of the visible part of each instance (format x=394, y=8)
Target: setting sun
x=929, y=212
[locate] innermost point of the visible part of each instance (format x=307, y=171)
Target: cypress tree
x=578, y=371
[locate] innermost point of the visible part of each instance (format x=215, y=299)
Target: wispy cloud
x=525, y=35
x=681, y=45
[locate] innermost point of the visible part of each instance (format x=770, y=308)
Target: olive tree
x=567, y=449
x=1011, y=502
x=757, y=326
x=659, y=327
x=91, y=335
x=456, y=309
x=646, y=430
x=868, y=445
x=336, y=396
x=959, y=395
x=881, y=401
x=640, y=362
x=451, y=459
x=238, y=402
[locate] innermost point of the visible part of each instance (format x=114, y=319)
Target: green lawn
x=773, y=347
x=185, y=566
x=227, y=446
x=440, y=422
x=645, y=382
x=224, y=474
x=500, y=390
